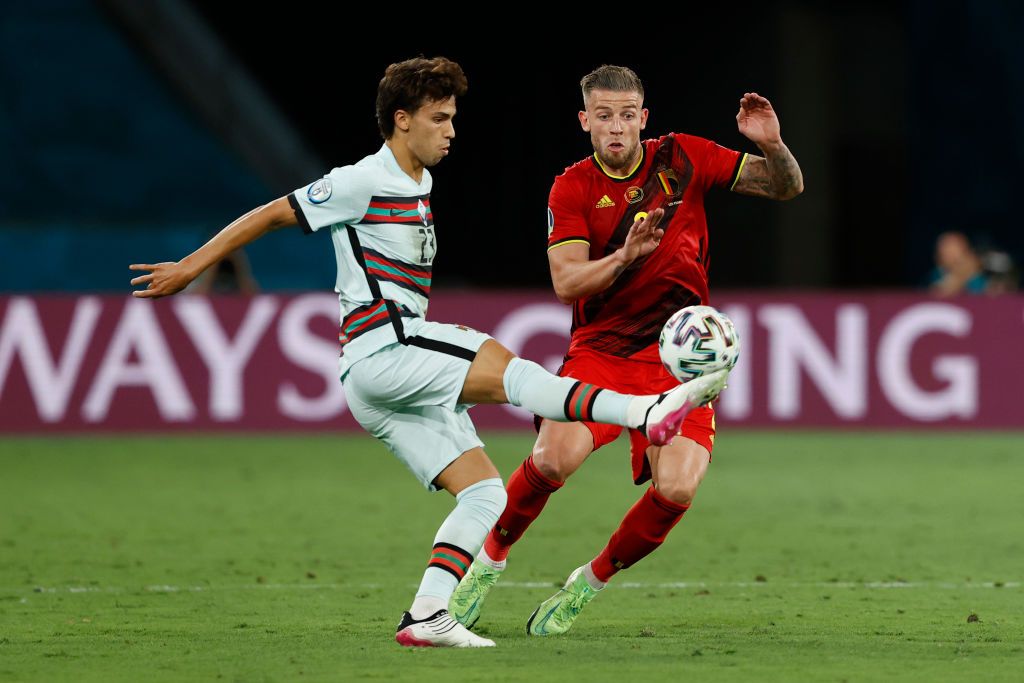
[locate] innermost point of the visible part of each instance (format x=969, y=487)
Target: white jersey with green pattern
x=383, y=233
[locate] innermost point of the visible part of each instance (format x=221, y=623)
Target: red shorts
x=633, y=377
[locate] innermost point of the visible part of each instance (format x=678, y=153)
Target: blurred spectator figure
x=1000, y=270
x=958, y=269
x=231, y=275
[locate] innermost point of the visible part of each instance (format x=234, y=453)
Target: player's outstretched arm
x=164, y=279
x=575, y=276
x=777, y=175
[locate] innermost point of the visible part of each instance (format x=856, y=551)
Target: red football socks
x=528, y=492
x=642, y=530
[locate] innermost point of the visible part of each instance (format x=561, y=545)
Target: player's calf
x=564, y=399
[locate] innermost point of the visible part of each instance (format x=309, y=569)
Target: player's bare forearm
x=242, y=231
x=170, y=278
x=784, y=174
x=575, y=276
x=776, y=175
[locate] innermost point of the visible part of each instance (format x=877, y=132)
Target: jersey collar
x=622, y=178
x=392, y=165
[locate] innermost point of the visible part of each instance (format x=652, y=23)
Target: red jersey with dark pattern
x=589, y=205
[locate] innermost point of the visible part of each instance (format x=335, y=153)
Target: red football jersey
x=589, y=205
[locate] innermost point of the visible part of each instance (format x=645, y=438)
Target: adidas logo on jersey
x=604, y=202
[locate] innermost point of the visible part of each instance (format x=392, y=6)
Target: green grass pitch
x=806, y=557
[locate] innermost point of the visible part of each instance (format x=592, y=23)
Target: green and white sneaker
x=468, y=598
x=557, y=614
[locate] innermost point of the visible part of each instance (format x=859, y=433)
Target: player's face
x=431, y=131
x=614, y=121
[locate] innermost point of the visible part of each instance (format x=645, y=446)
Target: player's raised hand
x=644, y=235
x=163, y=279
x=757, y=120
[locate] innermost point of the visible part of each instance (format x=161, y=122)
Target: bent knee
x=488, y=496
x=558, y=461
x=497, y=497
x=680, y=491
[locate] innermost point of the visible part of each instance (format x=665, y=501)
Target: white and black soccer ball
x=698, y=340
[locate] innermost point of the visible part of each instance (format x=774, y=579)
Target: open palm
x=644, y=236
x=757, y=120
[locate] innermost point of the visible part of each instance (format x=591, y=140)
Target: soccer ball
x=698, y=340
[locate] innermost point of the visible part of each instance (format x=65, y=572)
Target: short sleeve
x=566, y=220
x=717, y=166
x=341, y=196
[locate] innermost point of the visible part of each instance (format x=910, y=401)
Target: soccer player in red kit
x=627, y=247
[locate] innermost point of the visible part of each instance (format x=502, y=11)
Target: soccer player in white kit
x=410, y=382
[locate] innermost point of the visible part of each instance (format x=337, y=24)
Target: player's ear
x=584, y=121
x=402, y=120
x=643, y=119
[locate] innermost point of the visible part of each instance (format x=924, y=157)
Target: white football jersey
x=383, y=234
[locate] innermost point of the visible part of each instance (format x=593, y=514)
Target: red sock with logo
x=528, y=492
x=642, y=530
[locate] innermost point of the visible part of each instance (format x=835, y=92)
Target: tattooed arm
x=776, y=175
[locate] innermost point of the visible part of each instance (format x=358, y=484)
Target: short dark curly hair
x=410, y=84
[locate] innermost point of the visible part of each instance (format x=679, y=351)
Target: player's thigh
x=428, y=370
x=485, y=381
x=678, y=468
x=561, y=447
x=699, y=426
x=426, y=439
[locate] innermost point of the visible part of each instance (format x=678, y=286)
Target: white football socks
x=565, y=399
x=459, y=538
x=483, y=557
x=595, y=583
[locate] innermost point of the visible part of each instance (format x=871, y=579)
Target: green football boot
x=468, y=598
x=557, y=614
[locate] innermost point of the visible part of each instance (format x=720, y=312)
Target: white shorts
x=407, y=396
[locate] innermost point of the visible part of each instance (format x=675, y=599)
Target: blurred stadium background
x=132, y=131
